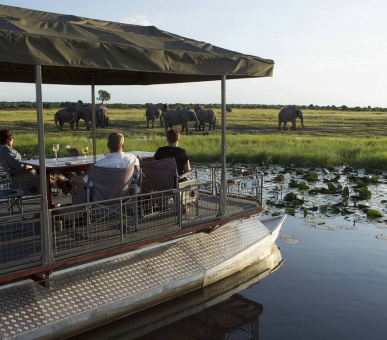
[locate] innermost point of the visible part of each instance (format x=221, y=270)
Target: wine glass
x=85, y=151
x=55, y=148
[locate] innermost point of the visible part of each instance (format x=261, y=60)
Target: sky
x=331, y=52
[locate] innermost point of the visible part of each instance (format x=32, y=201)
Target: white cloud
x=137, y=20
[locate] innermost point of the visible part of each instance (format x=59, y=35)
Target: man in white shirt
x=115, y=159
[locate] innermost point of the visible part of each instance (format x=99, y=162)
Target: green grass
x=330, y=138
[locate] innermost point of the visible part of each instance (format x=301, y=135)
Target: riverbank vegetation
x=330, y=137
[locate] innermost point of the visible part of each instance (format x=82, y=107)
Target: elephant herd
x=169, y=118
x=74, y=112
x=201, y=116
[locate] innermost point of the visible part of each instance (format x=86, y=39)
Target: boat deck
x=21, y=239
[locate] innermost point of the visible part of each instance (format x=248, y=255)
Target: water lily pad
x=349, y=227
x=363, y=206
x=313, y=221
x=286, y=236
x=384, y=226
x=293, y=184
x=347, y=169
x=291, y=241
x=347, y=211
x=331, y=187
x=290, y=196
x=329, y=227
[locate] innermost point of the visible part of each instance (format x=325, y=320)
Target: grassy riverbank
x=330, y=138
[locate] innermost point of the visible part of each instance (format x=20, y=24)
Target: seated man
x=173, y=151
x=115, y=159
x=11, y=157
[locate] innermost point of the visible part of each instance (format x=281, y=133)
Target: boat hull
x=97, y=294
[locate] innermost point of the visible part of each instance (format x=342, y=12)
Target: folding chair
x=109, y=183
x=28, y=186
x=159, y=175
x=156, y=176
x=14, y=198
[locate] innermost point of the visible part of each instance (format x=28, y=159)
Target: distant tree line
x=58, y=105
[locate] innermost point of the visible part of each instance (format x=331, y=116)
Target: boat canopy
x=73, y=49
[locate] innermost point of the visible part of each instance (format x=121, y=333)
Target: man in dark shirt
x=173, y=151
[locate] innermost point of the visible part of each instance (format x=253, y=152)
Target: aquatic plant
x=345, y=192
x=303, y=186
x=364, y=193
x=373, y=213
x=290, y=211
x=279, y=178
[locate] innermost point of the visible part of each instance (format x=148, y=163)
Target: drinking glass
x=55, y=148
x=85, y=151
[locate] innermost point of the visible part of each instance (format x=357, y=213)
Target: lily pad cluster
x=326, y=191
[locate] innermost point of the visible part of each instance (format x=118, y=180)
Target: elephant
x=102, y=119
x=177, y=117
x=81, y=111
x=205, y=116
x=155, y=111
x=64, y=116
x=289, y=114
x=198, y=107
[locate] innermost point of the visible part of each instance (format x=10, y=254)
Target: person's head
x=173, y=136
x=6, y=137
x=115, y=142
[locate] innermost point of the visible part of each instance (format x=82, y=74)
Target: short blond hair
x=115, y=141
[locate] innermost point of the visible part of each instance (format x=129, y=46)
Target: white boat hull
x=92, y=295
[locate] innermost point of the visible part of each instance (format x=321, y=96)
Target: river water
x=331, y=285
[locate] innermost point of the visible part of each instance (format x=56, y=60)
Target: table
x=71, y=164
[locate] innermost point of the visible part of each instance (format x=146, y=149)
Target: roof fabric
x=75, y=50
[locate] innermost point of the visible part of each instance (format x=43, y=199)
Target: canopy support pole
x=46, y=236
x=93, y=119
x=223, y=193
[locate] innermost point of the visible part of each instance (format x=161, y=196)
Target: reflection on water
x=215, y=312
x=234, y=318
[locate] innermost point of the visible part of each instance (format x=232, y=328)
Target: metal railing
x=88, y=228
x=244, y=185
x=20, y=242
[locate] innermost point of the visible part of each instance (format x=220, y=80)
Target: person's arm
x=12, y=159
x=156, y=155
x=79, y=181
x=187, y=170
x=187, y=167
